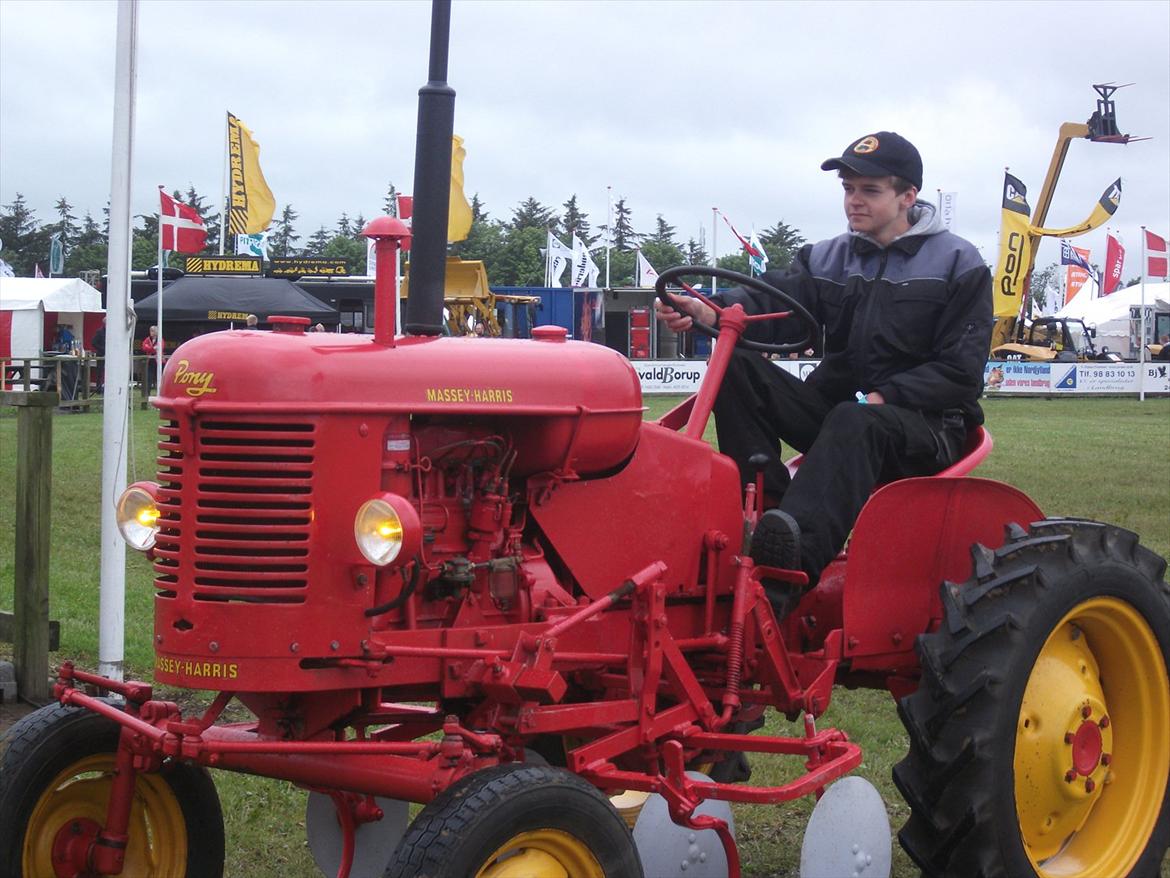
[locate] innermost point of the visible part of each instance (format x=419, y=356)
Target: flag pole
x=158, y=348
x=116, y=405
x=714, y=236
x=608, y=229
x=1142, y=339
x=223, y=192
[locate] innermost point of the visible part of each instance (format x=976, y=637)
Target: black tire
x=44, y=748
x=983, y=777
x=468, y=824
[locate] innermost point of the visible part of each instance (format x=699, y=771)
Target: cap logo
x=866, y=145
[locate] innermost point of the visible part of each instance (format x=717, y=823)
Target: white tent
x=24, y=302
x=1111, y=314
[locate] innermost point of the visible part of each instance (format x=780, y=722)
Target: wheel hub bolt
x=1068, y=737
x=1070, y=776
x=1106, y=759
x=1090, y=785
x=1104, y=723
x=1086, y=711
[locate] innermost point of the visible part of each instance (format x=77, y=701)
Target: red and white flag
x=180, y=228
x=1156, y=262
x=748, y=247
x=1114, y=260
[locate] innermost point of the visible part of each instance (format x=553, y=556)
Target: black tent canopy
x=224, y=300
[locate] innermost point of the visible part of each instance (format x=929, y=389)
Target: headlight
x=138, y=515
x=385, y=528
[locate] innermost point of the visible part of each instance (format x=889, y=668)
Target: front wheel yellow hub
x=542, y=853
x=73, y=806
x=1092, y=752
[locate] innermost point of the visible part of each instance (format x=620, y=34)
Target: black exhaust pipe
x=432, y=184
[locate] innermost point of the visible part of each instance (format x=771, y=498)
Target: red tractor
x=466, y=573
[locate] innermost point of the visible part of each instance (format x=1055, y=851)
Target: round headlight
x=383, y=527
x=137, y=515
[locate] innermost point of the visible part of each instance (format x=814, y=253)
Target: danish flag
x=1155, y=256
x=181, y=229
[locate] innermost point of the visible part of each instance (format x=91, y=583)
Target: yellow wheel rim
x=80, y=794
x=1093, y=743
x=542, y=853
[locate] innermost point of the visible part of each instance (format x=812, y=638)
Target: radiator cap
x=550, y=333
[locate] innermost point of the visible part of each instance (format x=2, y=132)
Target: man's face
x=873, y=207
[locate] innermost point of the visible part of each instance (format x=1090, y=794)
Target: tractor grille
x=235, y=517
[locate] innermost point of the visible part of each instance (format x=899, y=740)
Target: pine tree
x=531, y=214
x=22, y=238
x=343, y=227
x=356, y=228
x=624, y=236
x=390, y=204
x=663, y=233
x=318, y=242
x=66, y=223
x=478, y=211
x=575, y=221
x=283, y=237
x=781, y=242
x=695, y=253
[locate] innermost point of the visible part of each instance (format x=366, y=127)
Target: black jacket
x=912, y=320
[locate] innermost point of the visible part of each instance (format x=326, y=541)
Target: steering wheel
x=754, y=283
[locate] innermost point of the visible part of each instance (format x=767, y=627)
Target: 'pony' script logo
x=195, y=383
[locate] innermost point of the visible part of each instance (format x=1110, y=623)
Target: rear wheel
x=55, y=780
x=516, y=821
x=1040, y=733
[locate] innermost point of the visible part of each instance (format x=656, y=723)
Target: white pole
x=608, y=229
x=223, y=194
x=116, y=406
x=714, y=236
x=1142, y=340
x=158, y=347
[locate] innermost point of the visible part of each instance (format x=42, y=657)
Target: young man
x=907, y=314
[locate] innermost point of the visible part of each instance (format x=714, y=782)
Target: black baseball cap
x=883, y=154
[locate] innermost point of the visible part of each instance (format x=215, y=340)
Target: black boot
x=776, y=543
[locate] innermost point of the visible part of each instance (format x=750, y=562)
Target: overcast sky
x=679, y=106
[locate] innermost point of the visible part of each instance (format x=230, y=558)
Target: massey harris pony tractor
x=465, y=573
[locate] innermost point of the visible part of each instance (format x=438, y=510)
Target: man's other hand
x=692, y=310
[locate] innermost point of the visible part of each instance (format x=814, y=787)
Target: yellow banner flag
x=1105, y=207
x=1015, y=248
x=459, y=211
x=251, y=204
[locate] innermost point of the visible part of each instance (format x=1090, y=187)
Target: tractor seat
x=975, y=449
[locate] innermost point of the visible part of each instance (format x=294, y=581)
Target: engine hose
x=403, y=595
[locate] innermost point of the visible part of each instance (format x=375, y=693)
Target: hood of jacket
x=925, y=220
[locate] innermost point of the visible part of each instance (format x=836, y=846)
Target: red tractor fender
x=911, y=536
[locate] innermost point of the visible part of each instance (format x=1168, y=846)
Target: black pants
x=848, y=449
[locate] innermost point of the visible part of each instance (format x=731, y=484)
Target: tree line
x=509, y=246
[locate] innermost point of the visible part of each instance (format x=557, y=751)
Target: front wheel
x=1040, y=733
x=517, y=820
x=55, y=780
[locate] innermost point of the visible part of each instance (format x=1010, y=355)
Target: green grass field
x=1106, y=459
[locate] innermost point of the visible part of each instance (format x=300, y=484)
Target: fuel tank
x=567, y=406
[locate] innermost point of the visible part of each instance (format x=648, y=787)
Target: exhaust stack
x=432, y=184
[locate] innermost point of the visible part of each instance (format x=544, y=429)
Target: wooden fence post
x=34, y=477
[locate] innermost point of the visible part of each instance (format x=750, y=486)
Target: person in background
x=253, y=321
x=63, y=339
x=320, y=327
x=150, y=346
x=97, y=344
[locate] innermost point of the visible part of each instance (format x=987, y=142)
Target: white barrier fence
x=1007, y=377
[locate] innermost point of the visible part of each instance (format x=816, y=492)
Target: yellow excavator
x=467, y=298
x=1056, y=340
x=1101, y=127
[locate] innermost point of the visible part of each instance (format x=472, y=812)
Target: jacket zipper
x=869, y=306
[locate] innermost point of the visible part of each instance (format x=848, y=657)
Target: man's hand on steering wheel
x=685, y=313
x=702, y=315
